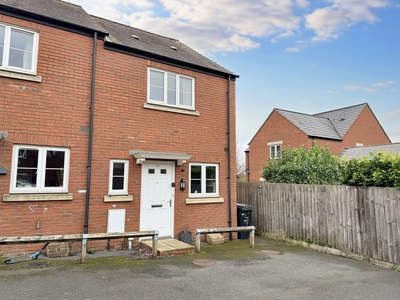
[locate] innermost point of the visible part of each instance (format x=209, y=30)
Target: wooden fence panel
x=365, y=221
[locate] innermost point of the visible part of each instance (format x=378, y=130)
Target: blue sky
x=301, y=55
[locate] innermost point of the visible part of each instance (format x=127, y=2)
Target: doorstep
x=170, y=247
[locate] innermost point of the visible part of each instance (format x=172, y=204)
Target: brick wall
x=53, y=113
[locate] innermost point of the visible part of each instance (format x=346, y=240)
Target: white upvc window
x=18, y=49
x=275, y=151
x=39, y=169
x=170, y=89
x=204, y=180
x=118, y=182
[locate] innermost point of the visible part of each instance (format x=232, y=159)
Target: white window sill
x=118, y=198
x=171, y=109
x=37, y=197
x=204, y=200
x=21, y=76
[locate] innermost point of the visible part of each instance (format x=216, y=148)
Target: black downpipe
x=229, y=156
x=89, y=165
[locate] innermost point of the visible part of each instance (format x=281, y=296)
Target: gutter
x=90, y=146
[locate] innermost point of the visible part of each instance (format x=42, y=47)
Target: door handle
x=170, y=202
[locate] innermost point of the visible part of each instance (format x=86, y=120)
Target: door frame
x=142, y=211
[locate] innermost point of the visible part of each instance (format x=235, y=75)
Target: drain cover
x=204, y=262
x=270, y=252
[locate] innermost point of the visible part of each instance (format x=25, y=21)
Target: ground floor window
x=118, y=184
x=203, y=180
x=39, y=169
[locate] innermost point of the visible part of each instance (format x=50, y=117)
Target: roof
x=356, y=152
x=147, y=42
x=134, y=41
x=343, y=118
x=332, y=124
x=311, y=125
x=56, y=10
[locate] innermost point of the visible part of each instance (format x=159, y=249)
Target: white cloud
x=235, y=25
x=383, y=84
x=329, y=21
x=332, y=92
x=360, y=88
x=293, y=49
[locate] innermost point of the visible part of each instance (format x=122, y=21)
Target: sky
x=306, y=56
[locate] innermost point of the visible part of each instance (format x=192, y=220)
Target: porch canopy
x=141, y=156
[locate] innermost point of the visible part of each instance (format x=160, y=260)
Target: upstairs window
x=39, y=170
x=18, y=49
x=170, y=89
x=204, y=180
x=118, y=184
x=275, y=151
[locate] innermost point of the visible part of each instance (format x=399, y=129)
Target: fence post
x=155, y=239
x=197, y=241
x=252, y=237
x=83, y=250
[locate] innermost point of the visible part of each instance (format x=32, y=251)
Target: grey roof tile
x=343, y=118
x=311, y=125
x=135, y=38
x=356, y=152
x=57, y=10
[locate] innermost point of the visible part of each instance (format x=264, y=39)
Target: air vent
x=135, y=37
x=173, y=48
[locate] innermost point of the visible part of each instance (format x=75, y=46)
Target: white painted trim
x=141, y=156
x=275, y=143
x=126, y=174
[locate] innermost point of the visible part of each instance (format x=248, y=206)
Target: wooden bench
x=250, y=229
x=81, y=237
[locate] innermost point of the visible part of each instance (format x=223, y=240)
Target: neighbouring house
x=365, y=151
x=105, y=127
x=337, y=129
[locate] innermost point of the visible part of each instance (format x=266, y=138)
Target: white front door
x=157, y=197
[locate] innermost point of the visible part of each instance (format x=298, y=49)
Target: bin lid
x=244, y=207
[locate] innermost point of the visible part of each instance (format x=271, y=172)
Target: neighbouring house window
x=275, y=151
x=170, y=89
x=18, y=49
x=39, y=169
x=203, y=180
x=118, y=184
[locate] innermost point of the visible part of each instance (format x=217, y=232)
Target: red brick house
x=106, y=127
x=336, y=129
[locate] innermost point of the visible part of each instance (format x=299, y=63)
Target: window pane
x=2, y=30
x=27, y=167
x=211, y=172
x=185, y=91
x=272, y=149
x=163, y=171
x=195, y=182
x=156, y=86
x=54, y=175
x=118, y=183
x=171, y=93
x=118, y=169
x=211, y=186
x=21, y=47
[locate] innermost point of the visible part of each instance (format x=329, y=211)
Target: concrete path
x=228, y=271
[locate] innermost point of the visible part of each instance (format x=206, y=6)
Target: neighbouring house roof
x=343, y=118
x=332, y=124
x=312, y=126
x=356, y=152
x=117, y=36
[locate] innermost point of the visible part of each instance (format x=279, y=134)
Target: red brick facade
x=365, y=130
x=56, y=111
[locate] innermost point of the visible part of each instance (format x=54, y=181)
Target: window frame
x=41, y=170
x=166, y=89
x=278, y=154
x=124, y=191
x=203, y=181
x=5, y=61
